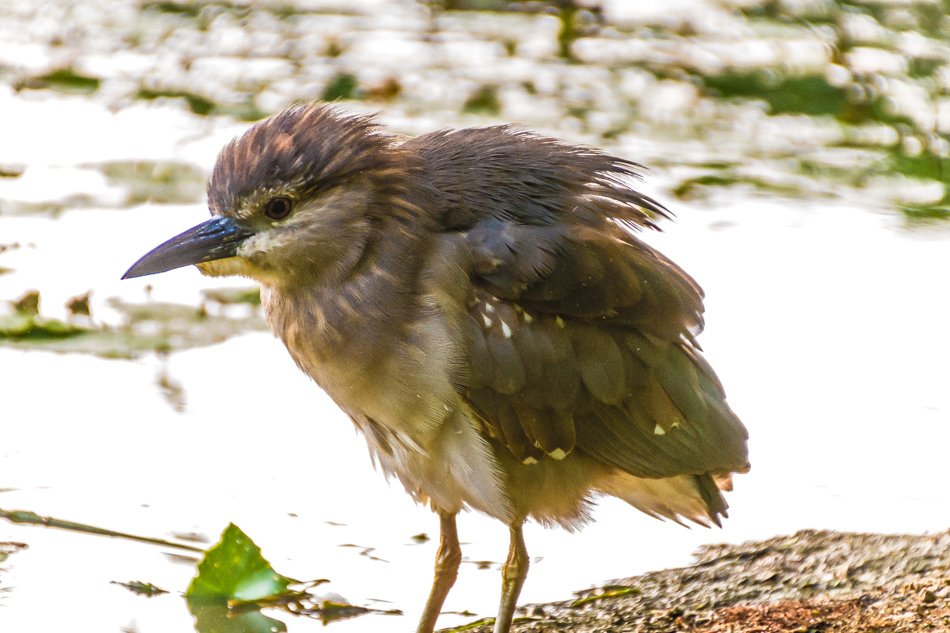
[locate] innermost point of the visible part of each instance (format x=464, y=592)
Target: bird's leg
x=446, y=570
x=512, y=579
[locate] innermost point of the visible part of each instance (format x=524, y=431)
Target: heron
x=480, y=303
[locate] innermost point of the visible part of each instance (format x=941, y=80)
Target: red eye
x=278, y=208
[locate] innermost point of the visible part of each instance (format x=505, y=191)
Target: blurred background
x=802, y=145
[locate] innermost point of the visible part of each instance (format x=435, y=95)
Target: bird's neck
x=356, y=318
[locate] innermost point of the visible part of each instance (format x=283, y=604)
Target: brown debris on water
x=28, y=304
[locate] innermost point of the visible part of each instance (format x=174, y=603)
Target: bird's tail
x=696, y=498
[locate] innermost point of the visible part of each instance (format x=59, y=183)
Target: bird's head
x=293, y=199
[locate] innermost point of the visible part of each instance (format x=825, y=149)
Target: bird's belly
x=420, y=430
x=455, y=468
x=462, y=468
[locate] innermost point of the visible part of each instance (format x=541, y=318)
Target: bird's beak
x=217, y=238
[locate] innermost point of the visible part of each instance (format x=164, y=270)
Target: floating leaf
x=141, y=588
x=809, y=94
x=234, y=570
x=63, y=80
x=231, y=296
x=28, y=304
x=341, y=86
x=484, y=100
x=155, y=181
x=198, y=104
x=26, y=327
x=9, y=548
x=218, y=618
x=331, y=611
x=151, y=327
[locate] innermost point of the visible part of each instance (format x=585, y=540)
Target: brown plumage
x=479, y=303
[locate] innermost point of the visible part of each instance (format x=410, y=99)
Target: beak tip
x=136, y=270
x=216, y=238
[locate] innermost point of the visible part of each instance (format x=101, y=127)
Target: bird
x=480, y=303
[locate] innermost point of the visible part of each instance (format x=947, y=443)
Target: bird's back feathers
x=580, y=337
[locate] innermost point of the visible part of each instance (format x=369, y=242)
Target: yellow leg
x=446, y=570
x=512, y=579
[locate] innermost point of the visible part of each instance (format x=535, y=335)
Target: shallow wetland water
x=801, y=145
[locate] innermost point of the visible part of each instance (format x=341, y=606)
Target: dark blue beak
x=215, y=239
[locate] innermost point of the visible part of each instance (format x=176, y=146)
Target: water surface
x=814, y=232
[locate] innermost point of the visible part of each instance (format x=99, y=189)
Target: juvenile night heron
x=478, y=302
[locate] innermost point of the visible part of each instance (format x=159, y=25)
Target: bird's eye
x=278, y=208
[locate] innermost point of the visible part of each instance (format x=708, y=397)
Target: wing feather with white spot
x=580, y=337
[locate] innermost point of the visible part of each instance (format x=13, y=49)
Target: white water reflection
x=824, y=322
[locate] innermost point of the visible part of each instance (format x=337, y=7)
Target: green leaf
x=341, y=86
x=235, y=570
x=217, y=618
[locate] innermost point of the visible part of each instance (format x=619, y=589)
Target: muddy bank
x=809, y=581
